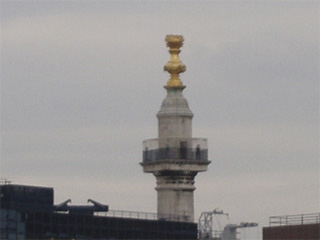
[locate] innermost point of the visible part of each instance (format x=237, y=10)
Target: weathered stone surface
x=175, y=170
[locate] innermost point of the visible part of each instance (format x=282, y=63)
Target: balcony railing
x=297, y=219
x=175, y=149
x=144, y=215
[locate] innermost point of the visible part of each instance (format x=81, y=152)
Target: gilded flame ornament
x=174, y=66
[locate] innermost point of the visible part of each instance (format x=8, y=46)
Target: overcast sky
x=82, y=81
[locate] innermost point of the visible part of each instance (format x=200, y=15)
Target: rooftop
x=296, y=219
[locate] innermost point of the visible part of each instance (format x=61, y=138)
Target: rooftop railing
x=175, y=149
x=143, y=215
x=297, y=219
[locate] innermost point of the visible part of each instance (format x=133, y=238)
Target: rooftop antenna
x=5, y=181
x=206, y=223
x=206, y=230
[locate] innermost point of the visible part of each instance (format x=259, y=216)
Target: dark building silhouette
x=28, y=212
x=299, y=226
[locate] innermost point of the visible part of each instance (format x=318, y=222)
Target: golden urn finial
x=174, y=66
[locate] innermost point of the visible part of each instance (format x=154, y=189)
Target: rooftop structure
x=175, y=157
x=210, y=230
x=295, y=219
x=28, y=212
x=297, y=226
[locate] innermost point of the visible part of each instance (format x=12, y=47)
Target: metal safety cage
x=175, y=148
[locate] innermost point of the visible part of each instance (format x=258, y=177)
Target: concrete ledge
x=175, y=165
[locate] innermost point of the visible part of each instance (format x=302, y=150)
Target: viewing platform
x=191, y=149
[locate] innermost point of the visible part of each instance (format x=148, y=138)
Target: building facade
x=299, y=226
x=28, y=212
